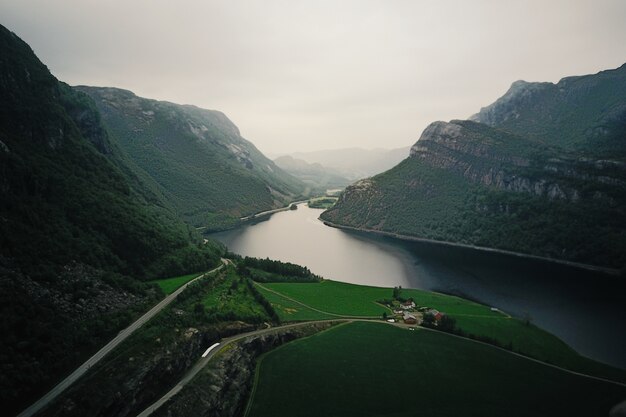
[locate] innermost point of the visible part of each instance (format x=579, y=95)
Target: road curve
x=123, y=335
x=225, y=342
x=202, y=362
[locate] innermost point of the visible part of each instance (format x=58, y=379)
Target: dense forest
x=79, y=230
x=269, y=270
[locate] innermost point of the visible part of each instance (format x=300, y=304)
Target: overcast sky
x=308, y=75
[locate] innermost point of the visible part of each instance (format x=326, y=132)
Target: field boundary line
x=286, y=297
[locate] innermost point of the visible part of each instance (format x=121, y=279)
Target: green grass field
x=288, y=310
x=473, y=318
x=169, y=285
x=373, y=369
x=360, y=300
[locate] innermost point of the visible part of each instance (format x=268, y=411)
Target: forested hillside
x=543, y=173
x=79, y=229
x=194, y=157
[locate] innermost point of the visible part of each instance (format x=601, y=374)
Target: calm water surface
x=585, y=309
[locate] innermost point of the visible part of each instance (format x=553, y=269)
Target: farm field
x=169, y=285
x=289, y=310
x=472, y=318
x=374, y=369
x=360, y=300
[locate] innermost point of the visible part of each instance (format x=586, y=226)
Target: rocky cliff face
x=484, y=156
x=223, y=388
x=541, y=171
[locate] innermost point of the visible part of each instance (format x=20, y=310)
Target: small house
x=409, y=318
x=436, y=314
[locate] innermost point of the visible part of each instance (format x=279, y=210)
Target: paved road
x=225, y=342
x=123, y=335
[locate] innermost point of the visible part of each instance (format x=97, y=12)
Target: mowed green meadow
x=360, y=300
x=343, y=299
x=169, y=285
x=373, y=369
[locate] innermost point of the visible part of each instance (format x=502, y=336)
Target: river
x=585, y=309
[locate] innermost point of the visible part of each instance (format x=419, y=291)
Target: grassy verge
x=370, y=369
x=169, y=285
x=289, y=310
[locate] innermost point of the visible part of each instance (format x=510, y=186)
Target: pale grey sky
x=307, y=75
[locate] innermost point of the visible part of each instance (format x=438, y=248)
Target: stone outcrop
x=223, y=388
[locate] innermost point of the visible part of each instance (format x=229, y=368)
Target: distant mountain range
x=541, y=171
x=317, y=176
x=355, y=163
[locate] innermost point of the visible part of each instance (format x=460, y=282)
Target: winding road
x=225, y=342
x=123, y=335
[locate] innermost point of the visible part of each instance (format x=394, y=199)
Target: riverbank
x=593, y=268
x=268, y=212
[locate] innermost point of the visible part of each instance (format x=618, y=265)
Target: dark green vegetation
x=223, y=386
x=366, y=369
x=79, y=229
x=195, y=158
x=152, y=360
x=315, y=175
x=542, y=172
x=329, y=299
x=322, y=203
x=169, y=285
x=269, y=270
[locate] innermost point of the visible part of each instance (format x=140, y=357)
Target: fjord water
x=585, y=309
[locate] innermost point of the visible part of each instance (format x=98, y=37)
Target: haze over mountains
x=314, y=174
x=99, y=191
x=355, y=163
x=195, y=158
x=540, y=171
x=102, y=192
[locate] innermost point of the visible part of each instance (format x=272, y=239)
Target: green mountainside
x=79, y=229
x=586, y=113
x=314, y=175
x=543, y=173
x=195, y=158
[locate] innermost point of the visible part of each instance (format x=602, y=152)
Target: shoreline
x=268, y=212
x=593, y=268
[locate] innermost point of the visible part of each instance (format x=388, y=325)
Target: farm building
x=409, y=318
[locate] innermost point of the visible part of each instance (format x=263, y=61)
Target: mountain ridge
x=494, y=185
x=195, y=157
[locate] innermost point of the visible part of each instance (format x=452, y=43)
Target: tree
x=384, y=315
x=198, y=308
x=428, y=320
x=396, y=292
x=447, y=323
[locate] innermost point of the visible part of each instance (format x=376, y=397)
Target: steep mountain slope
x=518, y=182
x=315, y=175
x=355, y=163
x=78, y=229
x=585, y=113
x=196, y=158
